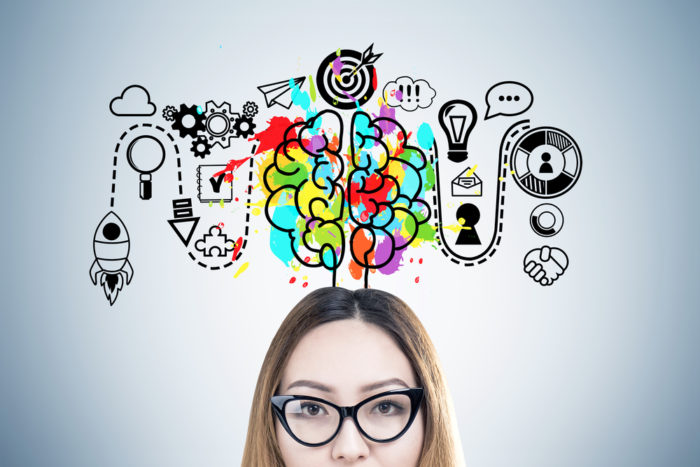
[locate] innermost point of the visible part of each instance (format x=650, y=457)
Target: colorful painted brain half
x=305, y=199
x=386, y=193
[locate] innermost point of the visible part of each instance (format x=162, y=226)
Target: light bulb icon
x=457, y=119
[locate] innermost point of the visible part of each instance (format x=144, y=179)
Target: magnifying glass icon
x=145, y=154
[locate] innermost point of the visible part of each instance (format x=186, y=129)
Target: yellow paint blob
x=241, y=270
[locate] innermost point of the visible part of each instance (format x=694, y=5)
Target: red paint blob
x=236, y=198
x=420, y=261
x=411, y=259
x=239, y=244
x=374, y=78
x=417, y=279
x=292, y=280
x=274, y=134
x=307, y=259
x=231, y=167
x=305, y=284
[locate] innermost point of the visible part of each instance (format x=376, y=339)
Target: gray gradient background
x=600, y=370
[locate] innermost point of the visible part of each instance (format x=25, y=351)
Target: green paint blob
x=429, y=177
x=312, y=88
x=280, y=179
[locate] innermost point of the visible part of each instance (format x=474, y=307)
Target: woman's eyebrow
x=381, y=384
x=310, y=384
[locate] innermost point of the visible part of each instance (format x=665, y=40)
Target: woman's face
x=345, y=362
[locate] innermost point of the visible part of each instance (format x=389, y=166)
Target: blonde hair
x=441, y=446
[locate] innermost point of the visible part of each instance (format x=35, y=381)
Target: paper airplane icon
x=279, y=92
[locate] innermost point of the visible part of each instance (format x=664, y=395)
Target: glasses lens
x=311, y=421
x=385, y=417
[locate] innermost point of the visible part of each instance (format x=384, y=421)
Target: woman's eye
x=312, y=410
x=387, y=408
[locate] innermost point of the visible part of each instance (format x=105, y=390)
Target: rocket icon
x=111, y=246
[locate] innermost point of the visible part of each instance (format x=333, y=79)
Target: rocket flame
x=112, y=283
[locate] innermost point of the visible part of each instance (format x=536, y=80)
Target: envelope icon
x=466, y=184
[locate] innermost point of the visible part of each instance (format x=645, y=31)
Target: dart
x=368, y=58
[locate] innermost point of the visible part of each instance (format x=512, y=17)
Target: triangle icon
x=184, y=228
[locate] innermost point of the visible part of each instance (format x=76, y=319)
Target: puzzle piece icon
x=215, y=243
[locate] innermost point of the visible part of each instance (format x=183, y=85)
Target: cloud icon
x=133, y=102
x=409, y=94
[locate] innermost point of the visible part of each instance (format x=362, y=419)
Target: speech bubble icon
x=508, y=98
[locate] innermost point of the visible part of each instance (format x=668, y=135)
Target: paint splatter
x=231, y=167
x=237, y=248
x=241, y=270
x=425, y=136
x=312, y=88
x=292, y=280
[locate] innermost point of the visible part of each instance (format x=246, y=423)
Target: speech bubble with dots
x=508, y=98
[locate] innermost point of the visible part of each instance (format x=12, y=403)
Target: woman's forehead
x=347, y=355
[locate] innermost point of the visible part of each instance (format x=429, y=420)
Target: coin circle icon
x=546, y=220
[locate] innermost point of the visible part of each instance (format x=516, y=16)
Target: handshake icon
x=546, y=264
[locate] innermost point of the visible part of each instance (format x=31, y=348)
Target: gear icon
x=188, y=121
x=250, y=109
x=169, y=113
x=219, y=123
x=200, y=147
x=244, y=127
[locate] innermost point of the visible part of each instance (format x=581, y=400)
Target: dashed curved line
x=246, y=230
x=512, y=132
x=116, y=153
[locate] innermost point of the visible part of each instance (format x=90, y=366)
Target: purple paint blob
x=337, y=66
x=385, y=248
x=387, y=126
x=316, y=144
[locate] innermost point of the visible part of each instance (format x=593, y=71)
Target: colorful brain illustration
x=313, y=203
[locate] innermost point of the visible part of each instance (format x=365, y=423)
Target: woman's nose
x=350, y=445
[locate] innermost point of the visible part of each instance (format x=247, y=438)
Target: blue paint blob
x=328, y=257
x=425, y=136
x=200, y=110
x=281, y=242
